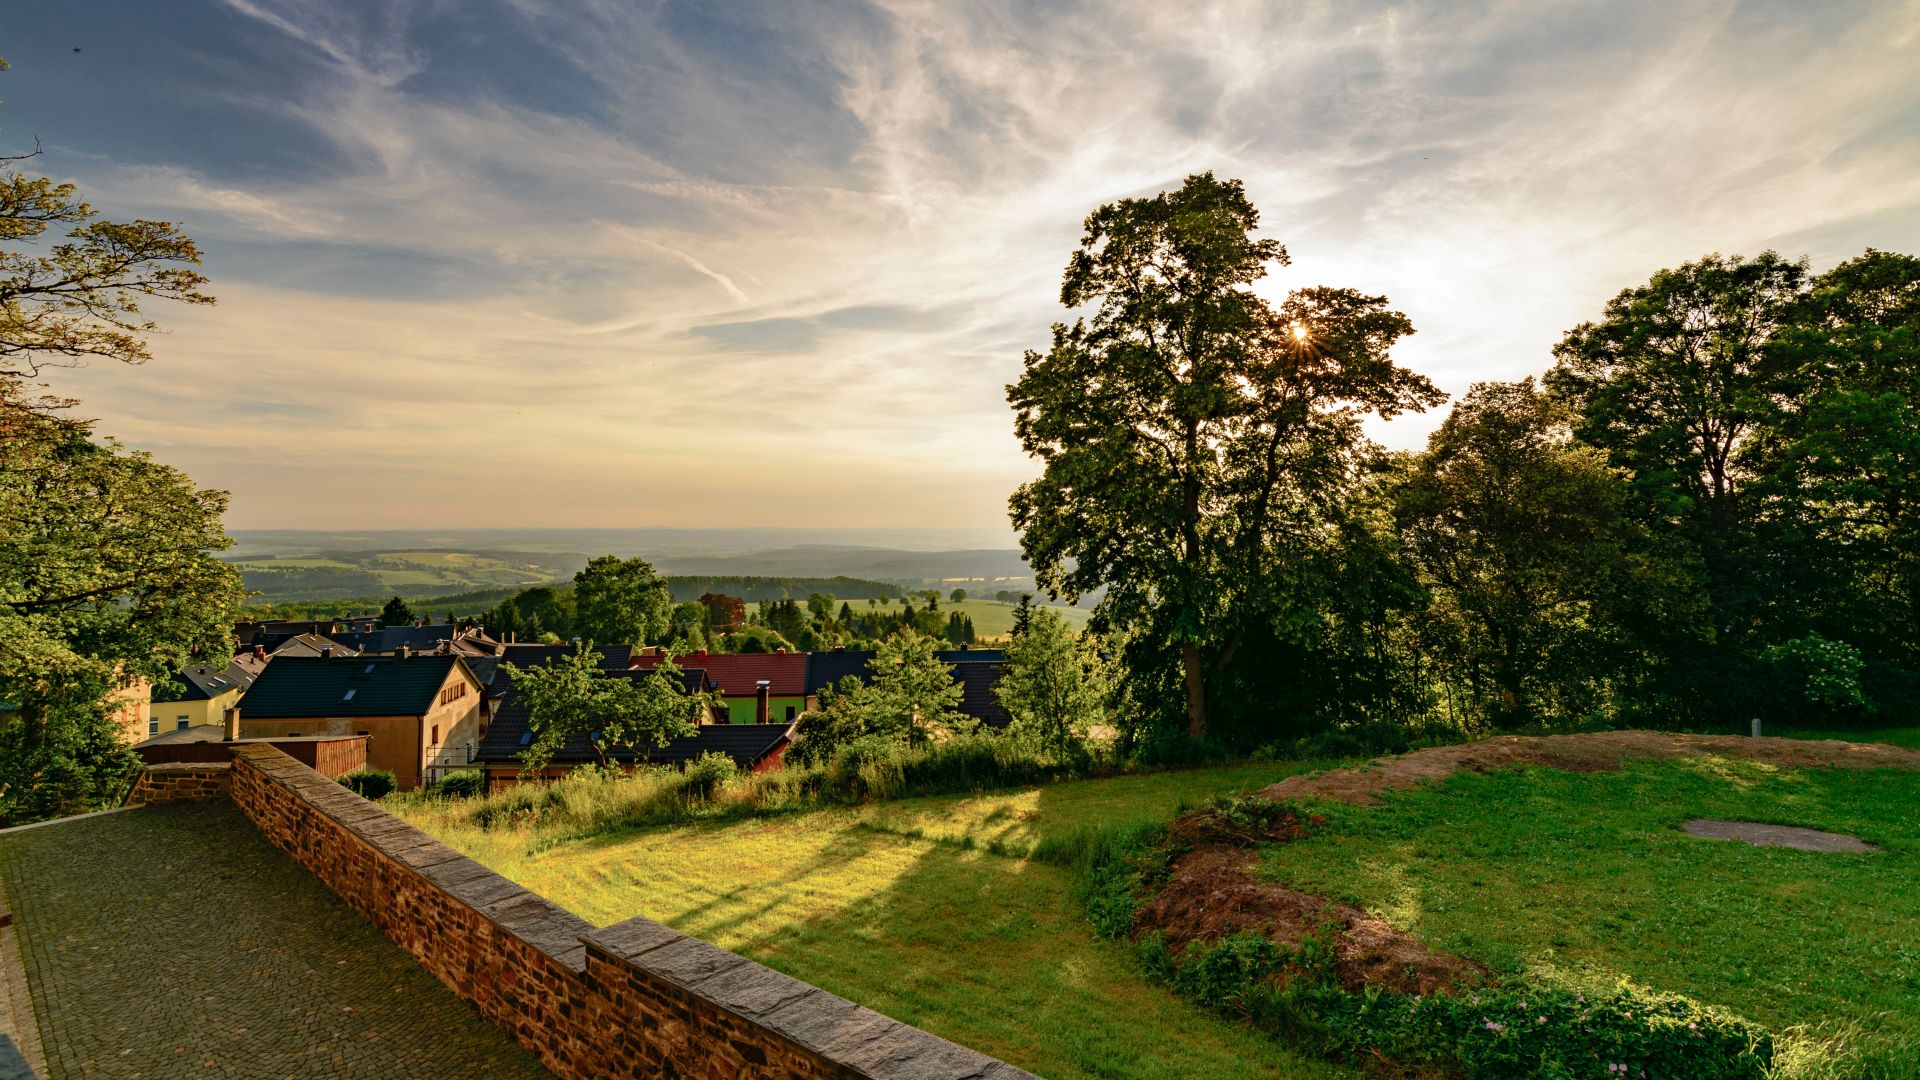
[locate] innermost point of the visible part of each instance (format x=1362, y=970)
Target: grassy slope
x=903, y=907
x=1587, y=878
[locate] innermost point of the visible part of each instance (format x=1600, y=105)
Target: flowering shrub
x=1824, y=673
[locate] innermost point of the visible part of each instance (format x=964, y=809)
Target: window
x=153, y=726
x=789, y=714
x=453, y=693
x=348, y=696
x=180, y=723
x=435, y=741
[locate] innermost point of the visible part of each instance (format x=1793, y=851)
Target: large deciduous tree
x=107, y=577
x=621, y=601
x=1522, y=538
x=1675, y=382
x=1193, y=436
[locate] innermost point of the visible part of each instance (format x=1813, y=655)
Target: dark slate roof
x=204, y=682
x=972, y=656
x=310, y=645
x=302, y=686
x=828, y=668
x=612, y=657
x=976, y=692
x=389, y=639
x=747, y=744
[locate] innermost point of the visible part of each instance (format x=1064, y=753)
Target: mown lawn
x=925, y=909
x=1587, y=880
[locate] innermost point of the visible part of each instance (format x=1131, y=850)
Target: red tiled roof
x=736, y=673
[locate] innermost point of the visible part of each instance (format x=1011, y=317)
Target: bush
x=709, y=772
x=462, y=784
x=369, y=783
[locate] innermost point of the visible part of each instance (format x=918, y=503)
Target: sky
x=593, y=263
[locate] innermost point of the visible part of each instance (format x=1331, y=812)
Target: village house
x=423, y=715
x=755, y=688
x=204, y=694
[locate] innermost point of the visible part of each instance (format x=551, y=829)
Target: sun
x=1300, y=332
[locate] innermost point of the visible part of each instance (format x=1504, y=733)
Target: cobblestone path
x=174, y=941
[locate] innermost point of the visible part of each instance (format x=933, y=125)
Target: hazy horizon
x=522, y=261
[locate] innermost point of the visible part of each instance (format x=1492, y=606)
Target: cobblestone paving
x=174, y=941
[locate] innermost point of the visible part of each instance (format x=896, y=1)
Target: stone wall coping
x=188, y=766
x=867, y=1042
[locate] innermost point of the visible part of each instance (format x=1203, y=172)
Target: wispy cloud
x=584, y=261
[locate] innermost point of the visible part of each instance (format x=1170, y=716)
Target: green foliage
x=369, y=783
x=911, y=698
x=69, y=760
x=709, y=772
x=1509, y=1031
x=462, y=784
x=397, y=612
x=1057, y=686
x=617, y=714
x=756, y=639
x=1824, y=674
x=620, y=602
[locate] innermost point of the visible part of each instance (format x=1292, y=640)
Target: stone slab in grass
x=1760, y=835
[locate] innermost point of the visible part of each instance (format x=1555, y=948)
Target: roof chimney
x=761, y=689
x=403, y=652
x=260, y=652
x=326, y=651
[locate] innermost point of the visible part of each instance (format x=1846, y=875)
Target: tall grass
x=590, y=801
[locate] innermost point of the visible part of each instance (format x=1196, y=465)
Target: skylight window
x=349, y=694
x=368, y=670
x=526, y=738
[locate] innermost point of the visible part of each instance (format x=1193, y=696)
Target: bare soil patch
x=1598, y=751
x=1762, y=835
x=1213, y=894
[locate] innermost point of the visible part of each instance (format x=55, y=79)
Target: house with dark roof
x=423, y=715
x=977, y=671
x=201, y=696
x=437, y=637
x=753, y=747
x=607, y=657
x=755, y=688
x=311, y=645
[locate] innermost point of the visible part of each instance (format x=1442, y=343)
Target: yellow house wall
x=198, y=713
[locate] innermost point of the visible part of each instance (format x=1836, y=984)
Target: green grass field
x=925, y=909
x=1586, y=880
x=991, y=618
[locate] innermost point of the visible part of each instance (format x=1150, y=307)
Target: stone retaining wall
x=636, y=999
x=180, y=782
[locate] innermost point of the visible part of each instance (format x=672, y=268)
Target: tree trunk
x=1196, y=690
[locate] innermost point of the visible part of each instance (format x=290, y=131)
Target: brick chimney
x=260, y=653
x=326, y=652
x=403, y=652
x=761, y=690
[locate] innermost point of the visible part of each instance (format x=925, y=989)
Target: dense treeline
x=1705, y=512
x=756, y=588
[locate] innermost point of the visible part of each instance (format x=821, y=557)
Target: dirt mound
x=1212, y=894
x=1591, y=752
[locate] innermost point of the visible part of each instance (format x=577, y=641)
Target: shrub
x=709, y=772
x=462, y=784
x=369, y=783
